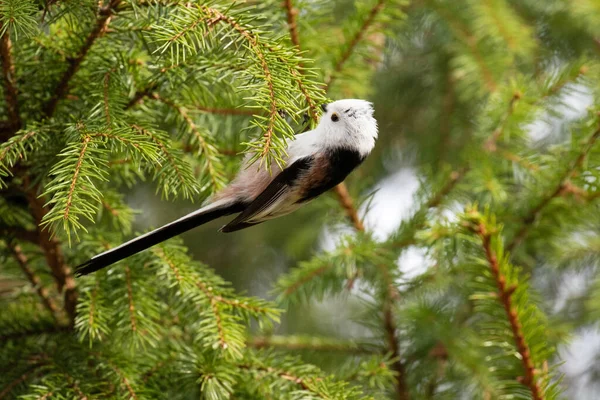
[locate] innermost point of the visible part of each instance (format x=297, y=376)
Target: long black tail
x=134, y=246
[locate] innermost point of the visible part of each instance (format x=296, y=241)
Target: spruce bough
x=472, y=97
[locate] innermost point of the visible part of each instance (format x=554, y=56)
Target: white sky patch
x=413, y=262
x=392, y=203
x=575, y=99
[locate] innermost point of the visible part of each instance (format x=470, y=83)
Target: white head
x=348, y=123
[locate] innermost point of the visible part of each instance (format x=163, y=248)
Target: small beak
x=324, y=107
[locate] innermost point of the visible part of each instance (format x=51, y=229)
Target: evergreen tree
x=490, y=104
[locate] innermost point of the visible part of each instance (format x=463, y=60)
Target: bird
x=316, y=161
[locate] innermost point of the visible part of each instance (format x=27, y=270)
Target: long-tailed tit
x=316, y=161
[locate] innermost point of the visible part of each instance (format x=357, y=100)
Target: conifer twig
x=35, y=281
x=217, y=16
x=533, y=215
x=393, y=345
x=291, y=13
x=33, y=371
x=285, y=375
x=61, y=90
x=354, y=42
x=490, y=144
x=347, y=204
x=504, y=296
x=212, y=172
x=10, y=86
x=54, y=255
x=130, y=298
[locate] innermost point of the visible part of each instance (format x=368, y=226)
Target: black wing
x=278, y=187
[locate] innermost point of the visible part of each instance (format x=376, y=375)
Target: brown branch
x=307, y=278
x=20, y=234
x=61, y=90
x=347, y=204
x=163, y=148
x=393, y=344
x=130, y=297
x=124, y=379
x=35, y=281
x=8, y=388
x=354, y=42
x=291, y=13
x=490, y=144
x=504, y=296
x=14, y=143
x=106, y=106
x=86, y=142
x=141, y=94
x=10, y=85
x=232, y=303
x=53, y=254
x=533, y=215
x=281, y=373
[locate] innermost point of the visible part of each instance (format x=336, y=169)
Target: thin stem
x=532, y=216
x=35, y=281
x=358, y=36
x=10, y=85
x=204, y=145
x=54, y=255
x=217, y=16
x=393, y=345
x=291, y=13
x=347, y=204
x=99, y=29
x=504, y=296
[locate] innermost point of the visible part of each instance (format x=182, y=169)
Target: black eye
x=334, y=117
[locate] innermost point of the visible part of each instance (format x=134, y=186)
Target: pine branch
x=358, y=36
x=393, y=345
x=504, y=296
x=291, y=13
x=10, y=85
x=285, y=375
x=130, y=299
x=490, y=144
x=62, y=88
x=347, y=204
x=53, y=254
x=533, y=215
x=208, y=151
x=35, y=281
x=33, y=371
x=253, y=43
x=463, y=34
